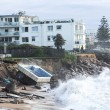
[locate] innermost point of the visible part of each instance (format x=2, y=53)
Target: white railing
x=9, y=34
x=3, y=24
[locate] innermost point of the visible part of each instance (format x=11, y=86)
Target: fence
x=33, y=52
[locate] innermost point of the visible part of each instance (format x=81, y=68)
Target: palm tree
x=58, y=41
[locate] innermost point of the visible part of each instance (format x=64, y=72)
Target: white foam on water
x=91, y=93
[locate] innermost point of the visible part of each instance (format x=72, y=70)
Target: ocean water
x=91, y=93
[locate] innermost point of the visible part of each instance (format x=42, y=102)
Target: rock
x=84, y=66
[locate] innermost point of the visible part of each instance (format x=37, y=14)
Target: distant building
x=20, y=29
x=90, y=37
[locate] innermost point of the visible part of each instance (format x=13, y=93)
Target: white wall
x=67, y=32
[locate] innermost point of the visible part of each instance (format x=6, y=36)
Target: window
x=1, y=39
x=81, y=27
x=1, y=19
x=33, y=38
x=50, y=28
x=25, y=39
x=16, y=28
x=5, y=19
x=16, y=19
x=50, y=38
x=24, y=29
x=9, y=19
x=10, y=39
x=76, y=27
x=16, y=38
x=58, y=27
x=7, y=39
x=35, y=28
x=6, y=30
x=76, y=42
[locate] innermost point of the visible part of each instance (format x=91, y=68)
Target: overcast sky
x=90, y=11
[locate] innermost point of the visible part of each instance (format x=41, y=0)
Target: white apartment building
x=22, y=29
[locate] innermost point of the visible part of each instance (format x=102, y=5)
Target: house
x=20, y=29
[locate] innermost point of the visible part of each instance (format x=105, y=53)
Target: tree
x=58, y=41
x=21, y=13
x=103, y=32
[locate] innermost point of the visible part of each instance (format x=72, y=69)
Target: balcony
x=79, y=32
x=16, y=42
x=8, y=24
x=79, y=42
x=6, y=34
x=2, y=43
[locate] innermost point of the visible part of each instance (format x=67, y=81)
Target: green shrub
x=26, y=46
x=1, y=47
x=12, y=45
x=69, y=58
x=38, y=52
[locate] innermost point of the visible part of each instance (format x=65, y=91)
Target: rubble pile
x=20, y=97
x=14, y=91
x=11, y=90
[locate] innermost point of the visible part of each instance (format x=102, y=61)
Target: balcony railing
x=79, y=42
x=79, y=32
x=9, y=34
x=9, y=42
x=8, y=24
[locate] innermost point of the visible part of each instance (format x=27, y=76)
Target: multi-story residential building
x=22, y=29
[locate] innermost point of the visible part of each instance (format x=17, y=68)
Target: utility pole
x=5, y=49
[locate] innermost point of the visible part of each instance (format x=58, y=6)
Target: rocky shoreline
x=82, y=67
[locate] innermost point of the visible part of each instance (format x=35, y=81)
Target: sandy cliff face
x=51, y=65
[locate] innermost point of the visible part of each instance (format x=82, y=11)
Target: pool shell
x=36, y=73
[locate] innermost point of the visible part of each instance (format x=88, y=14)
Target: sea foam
x=91, y=93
